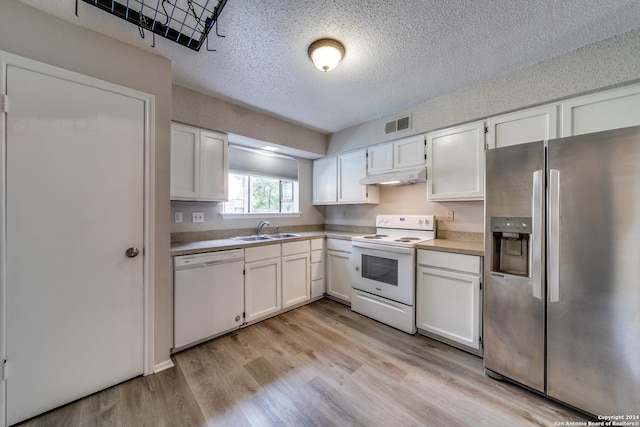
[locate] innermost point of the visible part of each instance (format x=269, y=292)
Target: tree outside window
x=258, y=194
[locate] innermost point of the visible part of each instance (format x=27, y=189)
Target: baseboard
x=163, y=366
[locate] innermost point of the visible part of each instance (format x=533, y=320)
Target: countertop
x=455, y=246
x=203, y=246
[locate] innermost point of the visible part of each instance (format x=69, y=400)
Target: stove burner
x=376, y=236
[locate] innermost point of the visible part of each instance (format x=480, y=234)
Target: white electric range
x=383, y=267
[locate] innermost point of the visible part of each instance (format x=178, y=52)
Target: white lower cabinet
x=262, y=282
x=448, y=298
x=296, y=273
x=317, y=268
x=338, y=271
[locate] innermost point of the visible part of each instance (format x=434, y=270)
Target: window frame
x=295, y=198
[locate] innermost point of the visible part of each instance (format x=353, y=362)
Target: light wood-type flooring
x=318, y=365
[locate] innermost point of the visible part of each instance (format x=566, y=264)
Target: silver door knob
x=357, y=268
x=132, y=252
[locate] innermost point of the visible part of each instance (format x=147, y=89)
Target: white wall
x=197, y=109
x=410, y=200
x=601, y=65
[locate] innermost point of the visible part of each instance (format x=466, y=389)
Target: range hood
x=397, y=177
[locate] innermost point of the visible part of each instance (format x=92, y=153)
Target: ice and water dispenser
x=511, y=245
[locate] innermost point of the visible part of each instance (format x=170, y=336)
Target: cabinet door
x=325, y=181
x=380, y=158
x=214, y=166
x=263, y=287
x=409, y=152
x=448, y=305
x=352, y=167
x=338, y=282
x=611, y=109
x=185, y=162
x=296, y=279
x=455, y=163
x=534, y=124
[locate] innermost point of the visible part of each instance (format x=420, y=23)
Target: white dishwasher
x=208, y=296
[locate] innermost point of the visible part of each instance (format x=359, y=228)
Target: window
x=261, y=182
x=260, y=194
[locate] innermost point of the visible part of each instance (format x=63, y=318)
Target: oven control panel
x=409, y=222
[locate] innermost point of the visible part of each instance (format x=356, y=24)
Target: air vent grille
x=403, y=123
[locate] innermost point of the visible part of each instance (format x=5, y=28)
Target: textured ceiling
x=398, y=53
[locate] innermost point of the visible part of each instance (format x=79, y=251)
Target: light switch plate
x=177, y=217
x=197, y=217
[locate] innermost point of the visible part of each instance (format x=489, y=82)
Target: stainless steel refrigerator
x=562, y=263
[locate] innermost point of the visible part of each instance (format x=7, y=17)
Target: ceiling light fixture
x=326, y=54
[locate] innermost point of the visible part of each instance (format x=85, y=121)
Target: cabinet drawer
x=317, y=256
x=317, y=270
x=291, y=248
x=339, y=245
x=458, y=262
x=317, y=244
x=261, y=252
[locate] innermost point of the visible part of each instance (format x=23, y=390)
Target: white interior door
x=74, y=204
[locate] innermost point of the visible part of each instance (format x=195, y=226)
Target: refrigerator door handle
x=536, y=235
x=554, y=235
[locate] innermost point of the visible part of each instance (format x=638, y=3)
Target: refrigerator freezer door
x=513, y=305
x=593, y=329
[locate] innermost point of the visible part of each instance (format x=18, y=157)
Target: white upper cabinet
x=325, y=181
x=455, y=163
x=380, y=158
x=199, y=164
x=352, y=167
x=400, y=154
x=610, y=109
x=533, y=124
x=409, y=152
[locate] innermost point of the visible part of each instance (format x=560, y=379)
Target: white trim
x=163, y=366
x=149, y=234
x=3, y=240
x=149, y=201
x=259, y=215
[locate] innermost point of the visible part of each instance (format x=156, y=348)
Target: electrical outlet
x=177, y=217
x=449, y=215
x=197, y=217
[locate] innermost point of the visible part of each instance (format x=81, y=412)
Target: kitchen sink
x=253, y=238
x=283, y=235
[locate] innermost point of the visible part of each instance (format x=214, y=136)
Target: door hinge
x=486, y=129
x=4, y=104
x=244, y=272
x=244, y=316
x=4, y=370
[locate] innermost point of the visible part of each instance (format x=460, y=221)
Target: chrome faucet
x=260, y=225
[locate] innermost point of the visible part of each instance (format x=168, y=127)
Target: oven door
x=383, y=270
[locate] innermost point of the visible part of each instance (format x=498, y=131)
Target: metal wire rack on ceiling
x=186, y=22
